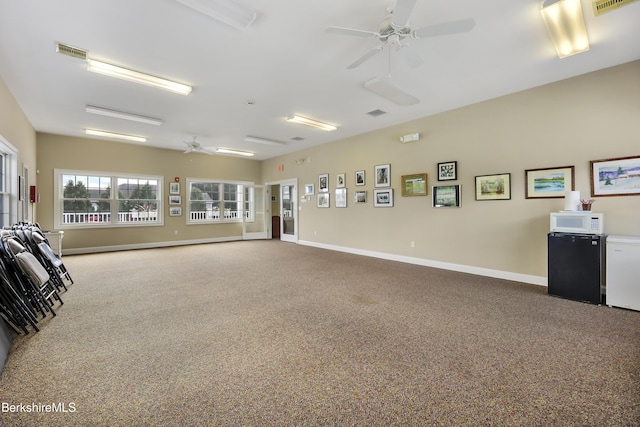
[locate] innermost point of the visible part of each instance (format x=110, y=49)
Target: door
x=254, y=225
x=288, y=212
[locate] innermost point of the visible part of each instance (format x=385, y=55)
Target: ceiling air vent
x=297, y=138
x=76, y=52
x=603, y=6
x=376, y=113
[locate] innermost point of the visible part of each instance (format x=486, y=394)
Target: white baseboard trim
x=498, y=274
x=114, y=248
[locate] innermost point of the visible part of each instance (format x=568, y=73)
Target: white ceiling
x=247, y=82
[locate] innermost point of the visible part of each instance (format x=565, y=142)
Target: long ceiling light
x=235, y=152
x=123, y=136
x=122, y=115
x=223, y=11
x=310, y=122
x=264, y=141
x=565, y=24
x=137, y=77
x=388, y=90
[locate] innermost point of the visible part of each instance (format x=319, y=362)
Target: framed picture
x=616, y=177
x=383, y=175
x=175, y=200
x=360, y=178
x=175, y=211
x=323, y=200
x=341, y=197
x=308, y=190
x=414, y=185
x=323, y=183
x=549, y=183
x=340, y=180
x=446, y=196
x=360, y=196
x=174, y=188
x=447, y=171
x=383, y=198
x=493, y=187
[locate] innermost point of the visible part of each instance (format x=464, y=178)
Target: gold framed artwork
x=414, y=185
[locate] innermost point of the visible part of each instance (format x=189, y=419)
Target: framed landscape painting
x=549, y=183
x=616, y=177
x=493, y=187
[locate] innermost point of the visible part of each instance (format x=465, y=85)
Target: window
x=97, y=199
x=8, y=183
x=214, y=201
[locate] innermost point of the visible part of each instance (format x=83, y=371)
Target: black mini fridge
x=576, y=266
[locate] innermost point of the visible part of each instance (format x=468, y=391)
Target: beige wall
x=16, y=129
x=63, y=152
x=590, y=117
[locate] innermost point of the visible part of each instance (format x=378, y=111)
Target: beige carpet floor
x=265, y=333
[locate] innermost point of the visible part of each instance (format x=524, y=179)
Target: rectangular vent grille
x=376, y=113
x=603, y=6
x=297, y=138
x=75, y=52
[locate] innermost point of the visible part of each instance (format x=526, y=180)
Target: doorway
x=284, y=210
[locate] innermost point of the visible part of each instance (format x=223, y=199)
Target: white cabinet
x=623, y=272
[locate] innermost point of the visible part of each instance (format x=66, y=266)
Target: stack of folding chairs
x=32, y=277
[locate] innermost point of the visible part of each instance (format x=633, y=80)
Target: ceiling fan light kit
x=122, y=115
x=310, y=122
x=227, y=12
x=113, y=135
x=565, y=24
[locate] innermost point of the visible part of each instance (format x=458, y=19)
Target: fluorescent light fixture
x=311, y=122
x=565, y=25
x=235, y=152
x=137, y=77
x=126, y=137
x=388, y=90
x=264, y=141
x=122, y=115
x=225, y=11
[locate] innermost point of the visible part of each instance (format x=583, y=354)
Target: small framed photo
x=175, y=211
x=616, y=177
x=341, y=198
x=383, y=175
x=360, y=196
x=323, y=183
x=175, y=200
x=447, y=171
x=360, y=178
x=323, y=200
x=446, y=196
x=493, y=187
x=308, y=190
x=414, y=185
x=549, y=183
x=340, y=180
x=383, y=198
x=174, y=188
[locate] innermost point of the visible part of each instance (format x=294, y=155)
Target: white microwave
x=576, y=222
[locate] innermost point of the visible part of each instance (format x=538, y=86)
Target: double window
x=215, y=201
x=96, y=199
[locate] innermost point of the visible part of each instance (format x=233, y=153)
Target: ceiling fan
x=194, y=147
x=395, y=29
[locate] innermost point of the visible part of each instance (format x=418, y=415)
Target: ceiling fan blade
x=365, y=57
x=352, y=32
x=446, y=28
x=402, y=13
x=410, y=55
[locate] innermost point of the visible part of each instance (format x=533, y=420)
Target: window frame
x=113, y=200
x=239, y=219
